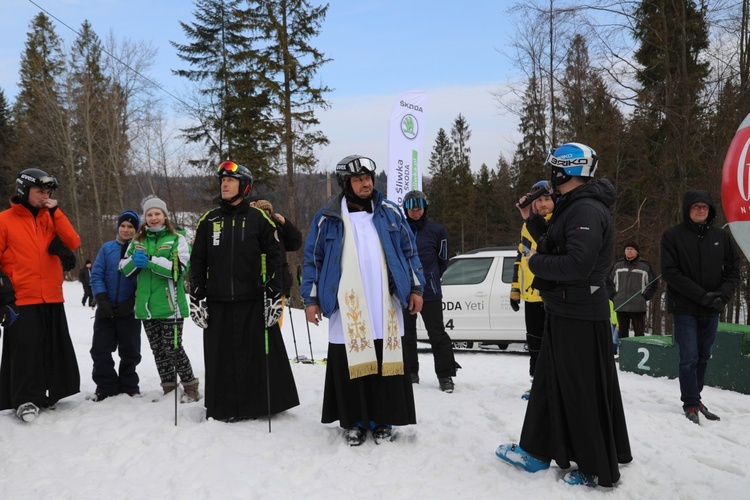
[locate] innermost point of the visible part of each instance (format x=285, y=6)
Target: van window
x=508, y=263
x=467, y=271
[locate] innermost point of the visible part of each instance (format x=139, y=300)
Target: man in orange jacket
x=38, y=365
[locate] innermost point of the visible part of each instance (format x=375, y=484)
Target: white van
x=476, y=300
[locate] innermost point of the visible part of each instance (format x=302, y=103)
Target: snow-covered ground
x=125, y=448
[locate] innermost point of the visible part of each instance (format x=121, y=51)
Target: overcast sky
x=455, y=51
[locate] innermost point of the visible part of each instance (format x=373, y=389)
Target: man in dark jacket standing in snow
x=634, y=286
x=701, y=268
x=432, y=246
x=576, y=414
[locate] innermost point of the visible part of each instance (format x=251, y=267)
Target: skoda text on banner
x=405, y=138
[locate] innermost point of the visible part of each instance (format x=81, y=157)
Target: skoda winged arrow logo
x=409, y=127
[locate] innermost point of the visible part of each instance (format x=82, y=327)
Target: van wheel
x=463, y=345
x=502, y=346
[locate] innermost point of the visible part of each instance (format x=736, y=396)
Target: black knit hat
x=631, y=244
x=130, y=216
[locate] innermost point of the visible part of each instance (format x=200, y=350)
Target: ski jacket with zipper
x=630, y=278
x=697, y=259
x=522, y=275
x=226, y=258
x=432, y=245
x=36, y=274
x=106, y=276
x=322, y=269
x=157, y=295
x=575, y=258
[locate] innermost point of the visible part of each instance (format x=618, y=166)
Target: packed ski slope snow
x=129, y=448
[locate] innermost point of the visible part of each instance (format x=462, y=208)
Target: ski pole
x=265, y=325
x=294, y=337
x=637, y=293
x=299, y=279
x=175, y=278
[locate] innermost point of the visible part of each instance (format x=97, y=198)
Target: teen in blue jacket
x=115, y=326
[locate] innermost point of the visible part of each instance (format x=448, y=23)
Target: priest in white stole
x=361, y=270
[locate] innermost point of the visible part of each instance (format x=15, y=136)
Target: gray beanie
x=153, y=201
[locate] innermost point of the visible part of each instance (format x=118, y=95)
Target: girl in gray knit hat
x=159, y=255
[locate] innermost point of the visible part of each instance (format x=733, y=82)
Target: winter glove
x=140, y=259
x=124, y=308
x=515, y=299
x=198, y=293
x=67, y=258
x=103, y=306
x=199, y=311
x=9, y=314
x=713, y=301
x=273, y=307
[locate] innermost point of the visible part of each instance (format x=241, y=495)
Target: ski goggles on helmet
x=414, y=203
x=228, y=166
x=43, y=182
x=47, y=182
x=356, y=166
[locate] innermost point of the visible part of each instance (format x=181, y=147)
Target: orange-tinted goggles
x=229, y=166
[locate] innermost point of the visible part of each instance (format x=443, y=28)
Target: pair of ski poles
x=294, y=337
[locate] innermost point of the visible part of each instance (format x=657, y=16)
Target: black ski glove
x=103, y=306
x=67, y=258
x=712, y=301
x=124, y=308
x=198, y=293
x=515, y=299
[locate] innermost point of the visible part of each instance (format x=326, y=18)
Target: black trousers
x=124, y=336
x=625, y=318
x=442, y=345
x=534, y=312
x=88, y=295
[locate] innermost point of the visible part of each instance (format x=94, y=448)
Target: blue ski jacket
x=106, y=275
x=322, y=269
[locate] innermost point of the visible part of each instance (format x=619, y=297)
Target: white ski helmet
x=571, y=159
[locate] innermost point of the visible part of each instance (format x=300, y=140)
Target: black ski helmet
x=354, y=165
x=229, y=168
x=33, y=177
x=415, y=199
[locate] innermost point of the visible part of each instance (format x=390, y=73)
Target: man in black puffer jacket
x=701, y=268
x=432, y=245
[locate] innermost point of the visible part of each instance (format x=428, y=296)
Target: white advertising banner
x=405, y=138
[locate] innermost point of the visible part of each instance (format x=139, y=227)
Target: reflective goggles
x=357, y=166
x=228, y=166
x=47, y=182
x=414, y=203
